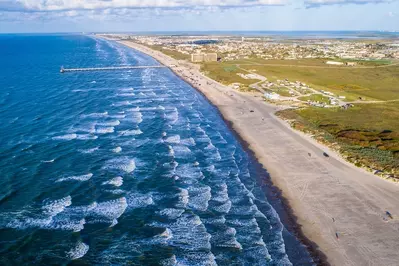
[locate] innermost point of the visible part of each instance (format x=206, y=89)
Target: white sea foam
x=188, y=142
x=66, y=137
x=183, y=198
x=224, y=207
x=110, y=123
x=126, y=89
x=90, y=150
x=116, y=181
x=190, y=235
x=86, y=136
x=115, y=191
x=118, y=116
x=76, y=178
x=94, y=115
x=173, y=139
x=60, y=222
x=138, y=200
x=199, y=197
x=180, y=151
x=55, y=207
x=114, y=222
x=126, y=94
x=122, y=103
x=148, y=108
x=226, y=238
x=78, y=251
x=135, y=117
x=110, y=210
x=170, y=261
x=172, y=116
x=135, y=109
x=90, y=128
x=117, y=150
x=171, y=151
x=105, y=130
x=171, y=213
x=123, y=163
x=49, y=161
x=215, y=221
x=132, y=132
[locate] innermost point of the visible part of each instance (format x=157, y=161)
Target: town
x=235, y=48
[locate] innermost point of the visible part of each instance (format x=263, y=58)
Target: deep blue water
x=124, y=167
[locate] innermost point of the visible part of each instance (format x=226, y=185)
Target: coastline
x=328, y=198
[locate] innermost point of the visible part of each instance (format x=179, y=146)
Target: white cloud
x=62, y=5
x=316, y=3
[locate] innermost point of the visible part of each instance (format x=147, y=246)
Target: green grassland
x=373, y=83
x=225, y=73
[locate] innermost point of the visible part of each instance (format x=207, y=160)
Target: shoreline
x=303, y=179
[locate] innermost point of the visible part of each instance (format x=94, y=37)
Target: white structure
x=334, y=63
x=271, y=96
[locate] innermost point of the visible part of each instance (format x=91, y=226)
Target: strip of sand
x=340, y=208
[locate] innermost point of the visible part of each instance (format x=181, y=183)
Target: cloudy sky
x=194, y=15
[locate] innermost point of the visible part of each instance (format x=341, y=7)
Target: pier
x=63, y=70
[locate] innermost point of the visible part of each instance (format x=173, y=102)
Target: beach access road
x=340, y=208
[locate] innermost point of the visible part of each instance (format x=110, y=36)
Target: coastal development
x=301, y=76
x=347, y=213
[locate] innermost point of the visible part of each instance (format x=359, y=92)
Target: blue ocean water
x=124, y=167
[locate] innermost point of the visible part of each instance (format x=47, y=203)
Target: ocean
x=125, y=167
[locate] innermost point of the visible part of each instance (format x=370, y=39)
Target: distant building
x=334, y=63
x=195, y=58
x=209, y=57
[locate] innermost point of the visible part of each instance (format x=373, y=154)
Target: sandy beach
x=340, y=209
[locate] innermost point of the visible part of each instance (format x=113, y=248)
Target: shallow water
x=123, y=167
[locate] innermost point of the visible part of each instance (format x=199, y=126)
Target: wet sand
x=339, y=208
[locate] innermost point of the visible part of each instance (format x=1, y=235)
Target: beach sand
x=340, y=209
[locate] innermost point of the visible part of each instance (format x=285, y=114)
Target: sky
x=26, y=16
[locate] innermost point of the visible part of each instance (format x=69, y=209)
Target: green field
x=225, y=73
x=372, y=83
